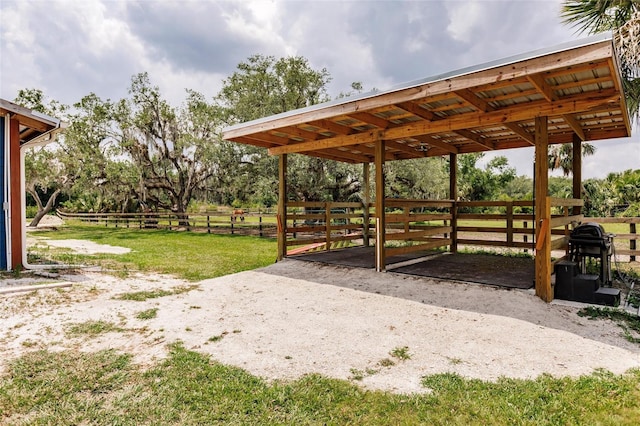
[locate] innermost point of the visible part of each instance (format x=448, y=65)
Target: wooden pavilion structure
x=563, y=95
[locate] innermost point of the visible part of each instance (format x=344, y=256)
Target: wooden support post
x=16, y=196
x=327, y=226
x=282, y=206
x=542, y=212
x=365, y=204
x=380, y=206
x=453, y=195
x=577, y=171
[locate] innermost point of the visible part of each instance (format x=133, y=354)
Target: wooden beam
x=370, y=119
x=430, y=140
x=380, y=207
x=282, y=206
x=575, y=126
x=541, y=85
x=416, y=109
x=542, y=212
x=404, y=148
x=577, y=171
x=524, y=112
x=476, y=138
x=300, y=133
x=471, y=98
x=515, y=128
x=332, y=126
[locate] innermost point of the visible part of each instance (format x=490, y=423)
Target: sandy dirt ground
x=294, y=318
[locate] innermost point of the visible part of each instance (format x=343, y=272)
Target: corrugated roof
x=486, y=107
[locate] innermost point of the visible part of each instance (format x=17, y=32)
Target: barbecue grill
x=589, y=240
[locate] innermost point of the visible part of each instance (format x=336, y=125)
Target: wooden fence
x=412, y=225
x=415, y=225
x=260, y=224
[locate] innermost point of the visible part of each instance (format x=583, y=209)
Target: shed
x=566, y=94
x=19, y=128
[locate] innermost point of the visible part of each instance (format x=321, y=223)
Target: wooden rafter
x=370, y=119
x=575, y=125
x=583, y=102
x=541, y=85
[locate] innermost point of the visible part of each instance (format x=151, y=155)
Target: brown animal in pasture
x=236, y=213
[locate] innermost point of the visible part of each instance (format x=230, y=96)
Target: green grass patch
x=106, y=388
x=192, y=256
x=141, y=296
x=629, y=323
x=91, y=328
x=401, y=353
x=147, y=314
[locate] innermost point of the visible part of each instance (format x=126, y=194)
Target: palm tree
x=561, y=156
x=622, y=17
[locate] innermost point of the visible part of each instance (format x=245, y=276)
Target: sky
x=70, y=48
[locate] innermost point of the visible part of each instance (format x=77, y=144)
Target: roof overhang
x=492, y=106
x=34, y=125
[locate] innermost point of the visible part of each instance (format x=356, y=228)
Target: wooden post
x=509, y=212
x=453, y=195
x=327, y=226
x=632, y=241
x=542, y=212
x=380, y=206
x=577, y=171
x=365, y=204
x=282, y=207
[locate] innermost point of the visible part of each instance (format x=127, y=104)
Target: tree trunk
x=43, y=210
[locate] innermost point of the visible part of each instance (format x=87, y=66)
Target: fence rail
x=260, y=224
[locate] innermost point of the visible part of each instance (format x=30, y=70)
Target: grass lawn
x=188, y=255
x=187, y=388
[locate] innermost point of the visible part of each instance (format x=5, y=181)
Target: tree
x=478, y=184
x=263, y=86
x=45, y=177
x=561, y=156
x=623, y=18
x=171, y=151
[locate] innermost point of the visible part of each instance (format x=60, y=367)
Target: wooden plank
x=560, y=243
x=404, y=148
x=418, y=234
x=491, y=243
x=401, y=202
x=565, y=202
x=565, y=220
x=395, y=251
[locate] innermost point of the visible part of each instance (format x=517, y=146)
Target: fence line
x=260, y=224
x=408, y=220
